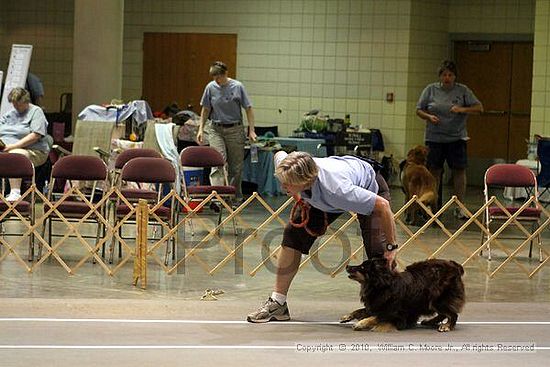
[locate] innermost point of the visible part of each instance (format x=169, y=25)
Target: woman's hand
x=252, y=135
x=390, y=257
x=433, y=119
x=9, y=147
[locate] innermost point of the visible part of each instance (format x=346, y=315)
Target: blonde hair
x=19, y=95
x=298, y=168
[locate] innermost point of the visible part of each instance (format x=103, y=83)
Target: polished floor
x=111, y=320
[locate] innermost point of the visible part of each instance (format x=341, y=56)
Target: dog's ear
x=374, y=265
x=378, y=271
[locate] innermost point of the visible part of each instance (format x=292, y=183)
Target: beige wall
x=540, y=103
x=339, y=56
x=429, y=43
x=342, y=56
x=491, y=16
x=97, y=59
x=48, y=26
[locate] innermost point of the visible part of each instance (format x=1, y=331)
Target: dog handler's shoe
x=270, y=311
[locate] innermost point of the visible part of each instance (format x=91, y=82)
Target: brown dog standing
x=417, y=180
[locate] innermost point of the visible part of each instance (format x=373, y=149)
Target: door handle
x=520, y=113
x=494, y=112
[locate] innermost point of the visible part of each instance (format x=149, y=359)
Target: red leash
x=304, y=214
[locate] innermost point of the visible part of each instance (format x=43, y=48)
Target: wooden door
x=499, y=74
x=175, y=66
x=520, y=100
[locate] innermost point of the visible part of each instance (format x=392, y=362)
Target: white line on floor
x=238, y=322
x=147, y=347
x=231, y=347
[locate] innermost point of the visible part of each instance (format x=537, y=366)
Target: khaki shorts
x=37, y=157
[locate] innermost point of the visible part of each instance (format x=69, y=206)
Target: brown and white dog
x=417, y=180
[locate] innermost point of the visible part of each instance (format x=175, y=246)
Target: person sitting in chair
x=23, y=131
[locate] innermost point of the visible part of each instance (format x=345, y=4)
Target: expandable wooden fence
x=434, y=238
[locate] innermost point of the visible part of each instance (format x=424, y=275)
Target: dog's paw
x=384, y=327
x=359, y=327
x=443, y=328
x=346, y=318
x=366, y=323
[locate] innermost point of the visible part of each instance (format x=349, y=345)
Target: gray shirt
x=15, y=126
x=34, y=86
x=225, y=102
x=438, y=101
x=344, y=184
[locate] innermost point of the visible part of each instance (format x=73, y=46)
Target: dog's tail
x=458, y=267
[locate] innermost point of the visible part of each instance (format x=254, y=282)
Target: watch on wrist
x=391, y=246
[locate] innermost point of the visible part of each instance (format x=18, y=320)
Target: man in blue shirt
x=329, y=186
x=22, y=131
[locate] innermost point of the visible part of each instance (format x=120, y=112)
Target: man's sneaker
x=270, y=311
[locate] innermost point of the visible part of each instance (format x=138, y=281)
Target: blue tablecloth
x=262, y=173
x=305, y=145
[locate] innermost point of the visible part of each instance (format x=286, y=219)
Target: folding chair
x=76, y=168
x=543, y=159
x=148, y=170
x=20, y=167
x=124, y=158
x=206, y=157
x=90, y=137
x=512, y=175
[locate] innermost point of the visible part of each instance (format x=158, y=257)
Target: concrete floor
x=113, y=322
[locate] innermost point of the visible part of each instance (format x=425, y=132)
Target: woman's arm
x=204, y=115
x=428, y=117
x=25, y=142
x=250, y=118
x=472, y=110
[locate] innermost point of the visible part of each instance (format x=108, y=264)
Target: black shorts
x=373, y=239
x=454, y=153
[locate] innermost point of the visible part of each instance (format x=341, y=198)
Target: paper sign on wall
x=16, y=75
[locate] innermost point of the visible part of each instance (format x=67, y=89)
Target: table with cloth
x=512, y=193
x=305, y=145
x=262, y=173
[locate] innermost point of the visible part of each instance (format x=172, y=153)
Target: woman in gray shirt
x=445, y=106
x=222, y=103
x=22, y=131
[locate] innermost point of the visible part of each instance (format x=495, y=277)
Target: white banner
x=16, y=75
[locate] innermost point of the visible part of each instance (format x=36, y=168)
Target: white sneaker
x=13, y=196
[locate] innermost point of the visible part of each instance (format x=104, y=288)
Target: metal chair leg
x=98, y=233
x=120, y=244
x=31, y=246
x=488, y=243
x=533, y=228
